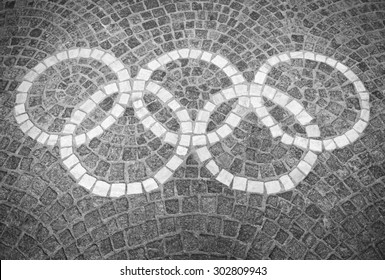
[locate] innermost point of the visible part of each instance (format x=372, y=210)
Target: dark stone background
x=337, y=212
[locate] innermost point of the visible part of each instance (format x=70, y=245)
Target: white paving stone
x=219, y=61
x=118, y=189
x=218, y=98
x=49, y=61
x=199, y=140
x=329, y=144
x=256, y=102
x=294, y=107
x=209, y=106
x=62, y=55
x=283, y=57
x=269, y=92
x=230, y=70
x=185, y=140
x=309, y=55
x=341, y=141
x=286, y=182
x=194, y=54
x=313, y=131
x=71, y=161
x=213, y=137
x=274, y=60
x=281, y=99
x=164, y=59
x=123, y=75
x=224, y=131
x=165, y=96
x=171, y=138
x=97, y=54
x=332, y=62
x=111, y=88
x=255, y=186
x=255, y=90
x=138, y=85
x=212, y=167
x=304, y=118
x=315, y=145
x=124, y=98
x=108, y=59
x=148, y=122
x=19, y=109
x=340, y=67
x=184, y=53
x=24, y=86
x=272, y=186
x=85, y=53
x=95, y=132
x=31, y=76
x=261, y=112
x=110, y=120
x=153, y=87
x=233, y=119
x=174, y=163
x=287, y=139
x=98, y=96
x=200, y=127
x=203, y=154
x=320, y=58
x=88, y=106
x=260, y=78
x=174, y=105
x=69, y=128
x=310, y=158
x=52, y=139
x=125, y=86
x=150, y=184
x=206, y=56
x=268, y=121
x=182, y=151
x=297, y=176
x=163, y=175
x=43, y=137
x=134, y=188
x=239, y=183
x=203, y=116
x=276, y=131
x=25, y=126
x=225, y=177
x=40, y=68
x=365, y=115
x=101, y=188
x=144, y=74
x=352, y=135
x=80, y=139
x=34, y=132
x=87, y=181
x=174, y=55
x=21, y=98
x=66, y=141
x=117, y=111
x=78, y=171
x=296, y=55
x=116, y=66
x=360, y=126
x=301, y=142
x=74, y=53
x=238, y=79
x=21, y=118
x=158, y=129
x=186, y=127
x=153, y=65
x=304, y=167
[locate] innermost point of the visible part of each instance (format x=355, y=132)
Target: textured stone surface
x=336, y=212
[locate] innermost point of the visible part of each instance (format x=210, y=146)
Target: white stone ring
x=191, y=134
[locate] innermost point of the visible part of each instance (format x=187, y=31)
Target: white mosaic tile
x=239, y=183
x=87, y=181
x=225, y=177
x=272, y=186
x=212, y=167
x=203, y=154
x=134, y=188
x=255, y=186
x=118, y=189
x=150, y=185
x=163, y=175
x=101, y=188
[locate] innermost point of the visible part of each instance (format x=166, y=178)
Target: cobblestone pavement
x=168, y=129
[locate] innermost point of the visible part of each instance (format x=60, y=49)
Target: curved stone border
x=192, y=133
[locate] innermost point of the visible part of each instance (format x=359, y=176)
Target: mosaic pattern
x=192, y=134
x=293, y=90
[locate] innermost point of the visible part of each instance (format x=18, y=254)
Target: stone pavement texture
x=168, y=129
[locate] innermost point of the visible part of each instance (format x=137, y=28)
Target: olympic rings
x=191, y=134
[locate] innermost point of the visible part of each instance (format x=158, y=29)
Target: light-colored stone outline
x=191, y=133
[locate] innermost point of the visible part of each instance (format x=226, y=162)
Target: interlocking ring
x=192, y=133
